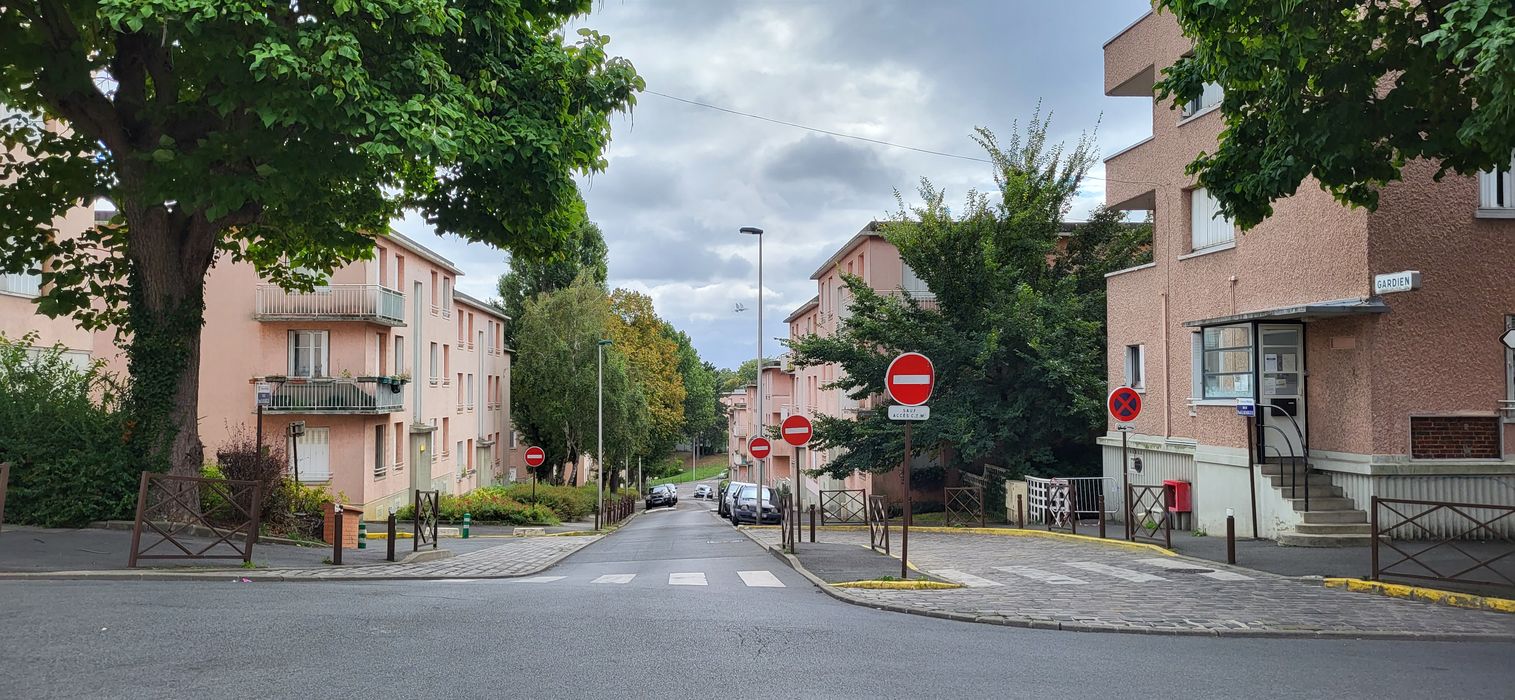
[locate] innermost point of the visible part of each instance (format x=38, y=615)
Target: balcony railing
x=337, y=302
x=330, y=395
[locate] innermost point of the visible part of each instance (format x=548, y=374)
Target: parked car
x=744, y=507
x=702, y=491
x=661, y=496
x=728, y=492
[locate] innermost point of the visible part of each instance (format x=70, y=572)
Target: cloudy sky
x=684, y=178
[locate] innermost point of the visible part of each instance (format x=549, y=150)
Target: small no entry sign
x=796, y=430
x=535, y=456
x=910, y=379
x=759, y=447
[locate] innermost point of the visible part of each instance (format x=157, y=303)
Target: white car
x=702, y=491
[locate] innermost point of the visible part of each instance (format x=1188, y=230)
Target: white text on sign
x=909, y=412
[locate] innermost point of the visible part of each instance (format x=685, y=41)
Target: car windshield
x=748, y=492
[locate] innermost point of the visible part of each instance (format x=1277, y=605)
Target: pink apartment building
x=1405, y=394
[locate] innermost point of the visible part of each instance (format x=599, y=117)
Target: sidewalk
x=1075, y=584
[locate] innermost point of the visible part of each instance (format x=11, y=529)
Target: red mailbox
x=1177, y=495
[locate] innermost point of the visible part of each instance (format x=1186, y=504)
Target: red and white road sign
x=796, y=430
x=910, y=379
x=759, y=447
x=1124, y=404
x=535, y=456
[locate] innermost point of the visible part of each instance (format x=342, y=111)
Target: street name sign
x=1246, y=407
x=265, y=394
x=759, y=447
x=910, y=379
x=1124, y=404
x=1407, y=281
x=535, y=456
x=796, y=430
x=897, y=412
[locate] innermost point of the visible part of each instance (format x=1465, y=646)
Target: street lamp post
x=754, y=231
x=599, y=455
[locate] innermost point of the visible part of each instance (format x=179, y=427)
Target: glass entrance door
x=1282, y=389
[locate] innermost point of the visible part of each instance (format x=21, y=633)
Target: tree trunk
x=169, y=255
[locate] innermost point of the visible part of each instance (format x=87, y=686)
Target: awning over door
x=1313, y=310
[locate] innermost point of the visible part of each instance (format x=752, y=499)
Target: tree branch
x=67, y=85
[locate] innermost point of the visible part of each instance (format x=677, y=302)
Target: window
x=399, y=272
x=1226, y=362
x=399, y=354
x=399, y=444
x=1136, y=366
x=1207, y=227
x=435, y=363
x=515, y=438
x=446, y=431
x=313, y=450
x=1496, y=188
x=470, y=454
x=434, y=307
x=461, y=338
x=383, y=267
x=380, y=449
x=446, y=296
x=911, y=282
x=470, y=392
x=24, y=284
x=1209, y=97
x=446, y=362
x=307, y=353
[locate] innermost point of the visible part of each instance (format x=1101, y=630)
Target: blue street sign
x=1246, y=408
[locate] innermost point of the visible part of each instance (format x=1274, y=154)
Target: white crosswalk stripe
x=615, y=578
x=1117, y=572
x=966, y=579
x=1207, y=572
x=696, y=578
x=760, y=579
x=536, y=579
x=457, y=580
x=1047, y=577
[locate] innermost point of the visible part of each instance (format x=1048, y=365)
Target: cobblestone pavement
x=1066, y=584
x=511, y=558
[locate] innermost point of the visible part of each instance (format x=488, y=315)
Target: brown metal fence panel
x=170, y=507
x=878, y=524
x=844, y=507
x=1476, y=552
x=965, y=506
x=1147, y=515
x=1059, y=512
x=424, y=519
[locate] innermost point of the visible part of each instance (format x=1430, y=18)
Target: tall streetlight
x=599, y=455
x=754, y=231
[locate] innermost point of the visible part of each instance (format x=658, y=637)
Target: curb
x=1003, y=532
x=1024, y=623
x=1428, y=595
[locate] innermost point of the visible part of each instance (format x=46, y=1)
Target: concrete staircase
x=1332, y=519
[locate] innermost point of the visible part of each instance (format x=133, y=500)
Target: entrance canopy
x=1313, y=310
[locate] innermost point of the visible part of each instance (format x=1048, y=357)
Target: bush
x=286, y=507
x=490, y=504
x=64, y=430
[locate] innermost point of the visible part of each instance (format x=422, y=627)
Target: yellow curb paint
x=385, y=536
x=898, y=585
x=1430, y=595
x=1007, y=532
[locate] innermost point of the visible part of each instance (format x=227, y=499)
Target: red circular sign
x=759, y=447
x=796, y=430
x=910, y=379
x=1124, y=404
x=535, y=456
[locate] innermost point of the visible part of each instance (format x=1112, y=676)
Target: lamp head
x=753, y=230
x=605, y=342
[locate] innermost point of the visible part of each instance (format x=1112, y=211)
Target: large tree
x=652, y=359
x=1017, y=332
x=584, y=252
x=285, y=134
x=701, y=410
x=1346, y=92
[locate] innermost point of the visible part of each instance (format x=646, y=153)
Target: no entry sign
x=910, y=379
x=1125, y=404
x=535, y=456
x=796, y=430
x=759, y=447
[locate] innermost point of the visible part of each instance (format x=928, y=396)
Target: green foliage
x=490, y=504
x=568, y=502
x=1017, y=330
x=702, y=414
x=65, y=432
x=583, y=253
x=653, y=367
x=1345, y=92
x=745, y=374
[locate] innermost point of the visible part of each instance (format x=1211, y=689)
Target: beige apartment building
x=1383, y=390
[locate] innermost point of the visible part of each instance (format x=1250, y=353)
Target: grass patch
x=702, y=471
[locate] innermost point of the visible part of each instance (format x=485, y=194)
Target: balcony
x=330, y=395
x=337, y=302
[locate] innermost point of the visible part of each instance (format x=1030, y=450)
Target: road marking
x=457, y=580
x=966, y=579
x=1117, y=572
x=538, y=579
x=760, y=579
x=615, y=578
x=687, y=579
x=1047, y=577
x=1194, y=568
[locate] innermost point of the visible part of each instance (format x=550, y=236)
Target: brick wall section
x=1454, y=437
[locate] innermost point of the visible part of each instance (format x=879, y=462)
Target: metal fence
x=1477, y=552
x=878, y=524
x=964, y=506
x=1148, y=517
x=355, y=301
x=844, y=506
x=170, y=507
x=1083, y=496
x=424, y=519
x=337, y=395
x=614, y=510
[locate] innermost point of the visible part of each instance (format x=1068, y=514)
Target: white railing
x=1083, y=494
x=368, y=302
x=333, y=395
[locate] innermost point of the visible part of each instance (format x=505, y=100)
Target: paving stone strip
x=511, y=558
x=1071, y=585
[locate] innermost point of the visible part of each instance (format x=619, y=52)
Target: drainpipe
x=1167, y=375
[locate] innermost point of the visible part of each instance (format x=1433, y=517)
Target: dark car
x=744, y=507
x=724, y=495
x=661, y=496
x=702, y=491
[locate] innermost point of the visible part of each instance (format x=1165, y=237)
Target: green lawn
x=708, y=467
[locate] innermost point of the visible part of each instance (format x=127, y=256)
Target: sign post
x=265, y=394
x=909, y=381
x=1246, y=407
x=796, y=430
x=1125, y=405
x=535, y=457
x=296, y=430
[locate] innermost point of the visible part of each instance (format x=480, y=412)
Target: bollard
x=1020, y=512
x=1230, y=537
x=391, y=542
x=336, y=533
x=812, y=523
x=362, y=535
x=1100, y=504
x=467, y=521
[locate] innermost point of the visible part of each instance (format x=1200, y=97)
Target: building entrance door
x=1282, y=389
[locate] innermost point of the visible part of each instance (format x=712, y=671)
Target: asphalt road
x=627, y=617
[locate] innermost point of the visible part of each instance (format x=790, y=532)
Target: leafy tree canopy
x=653, y=363
x=584, y=252
x=745, y=373
x=1345, y=92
